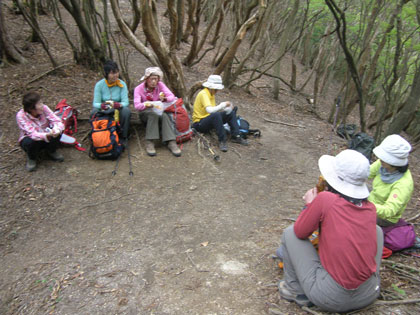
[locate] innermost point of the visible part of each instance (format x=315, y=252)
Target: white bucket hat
x=214, y=82
x=152, y=71
x=347, y=173
x=393, y=150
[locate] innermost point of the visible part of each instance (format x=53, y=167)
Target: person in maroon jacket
x=344, y=274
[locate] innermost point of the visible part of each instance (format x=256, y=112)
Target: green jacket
x=390, y=199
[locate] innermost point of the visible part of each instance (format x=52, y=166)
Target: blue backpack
x=244, y=129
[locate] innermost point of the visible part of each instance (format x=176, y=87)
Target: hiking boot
x=174, y=148
x=239, y=139
x=150, y=148
x=223, y=146
x=56, y=156
x=288, y=294
x=124, y=142
x=30, y=165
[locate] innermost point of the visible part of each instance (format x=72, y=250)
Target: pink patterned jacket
x=35, y=127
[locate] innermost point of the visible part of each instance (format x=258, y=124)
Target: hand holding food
x=162, y=96
x=148, y=105
x=310, y=195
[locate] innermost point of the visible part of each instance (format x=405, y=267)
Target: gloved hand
x=104, y=106
x=117, y=105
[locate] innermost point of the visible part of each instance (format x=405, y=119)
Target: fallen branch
x=307, y=309
x=236, y=151
x=400, y=265
x=106, y=201
x=415, y=217
x=283, y=123
x=395, y=302
x=42, y=75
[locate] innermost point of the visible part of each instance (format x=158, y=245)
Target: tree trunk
x=8, y=52
x=128, y=33
x=411, y=106
x=341, y=30
x=31, y=18
x=282, y=46
x=168, y=60
x=230, y=54
x=95, y=55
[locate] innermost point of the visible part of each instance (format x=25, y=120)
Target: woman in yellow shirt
x=207, y=115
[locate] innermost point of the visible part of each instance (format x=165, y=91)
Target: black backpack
x=362, y=143
x=244, y=129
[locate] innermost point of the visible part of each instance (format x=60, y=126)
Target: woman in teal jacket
x=392, y=184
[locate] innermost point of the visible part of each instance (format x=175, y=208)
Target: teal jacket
x=390, y=199
x=103, y=93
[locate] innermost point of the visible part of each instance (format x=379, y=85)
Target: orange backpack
x=105, y=144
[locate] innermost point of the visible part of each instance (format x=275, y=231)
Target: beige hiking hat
x=346, y=172
x=393, y=150
x=152, y=71
x=214, y=82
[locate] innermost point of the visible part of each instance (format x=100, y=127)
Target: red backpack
x=181, y=121
x=68, y=116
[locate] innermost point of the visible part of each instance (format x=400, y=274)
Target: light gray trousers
x=153, y=130
x=304, y=273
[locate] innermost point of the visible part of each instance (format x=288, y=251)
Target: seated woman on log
x=112, y=92
x=147, y=95
x=344, y=275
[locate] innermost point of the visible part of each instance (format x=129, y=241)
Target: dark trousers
x=125, y=115
x=216, y=121
x=33, y=147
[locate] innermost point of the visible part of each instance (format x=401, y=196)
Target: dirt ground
x=183, y=235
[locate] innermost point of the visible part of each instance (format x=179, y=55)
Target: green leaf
x=398, y=290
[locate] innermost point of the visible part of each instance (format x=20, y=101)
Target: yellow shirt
x=203, y=100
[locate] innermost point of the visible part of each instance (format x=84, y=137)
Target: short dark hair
x=402, y=169
x=349, y=199
x=110, y=66
x=29, y=101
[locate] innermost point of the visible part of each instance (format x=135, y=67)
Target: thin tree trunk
x=31, y=19
x=411, y=105
x=230, y=54
x=8, y=52
x=282, y=46
x=128, y=33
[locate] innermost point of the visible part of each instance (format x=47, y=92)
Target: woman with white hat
x=207, y=116
x=344, y=275
x=152, y=89
x=392, y=184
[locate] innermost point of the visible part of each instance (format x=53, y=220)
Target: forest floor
x=182, y=235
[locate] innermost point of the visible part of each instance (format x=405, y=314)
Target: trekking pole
x=337, y=106
x=207, y=146
x=114, y=172
x=130, y=172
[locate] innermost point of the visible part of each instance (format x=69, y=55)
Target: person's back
x=344, y=275
x=347, y=242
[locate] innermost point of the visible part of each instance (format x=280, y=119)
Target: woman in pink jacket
x=149, y=97
x=40, y=129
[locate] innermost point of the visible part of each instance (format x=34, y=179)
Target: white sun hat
x=152, y=71
x=393, y=150
x=347, y=173
x=214, y=82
